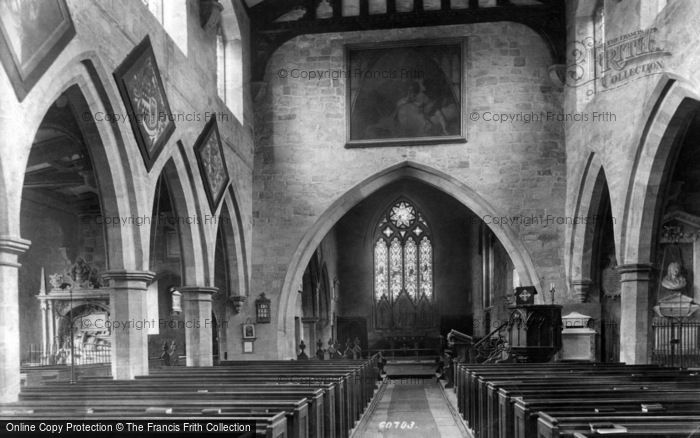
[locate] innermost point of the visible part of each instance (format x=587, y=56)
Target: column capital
x=581, y=288
x=636, y=272
x=128, y=279
x=198, y=293
x=13, y=244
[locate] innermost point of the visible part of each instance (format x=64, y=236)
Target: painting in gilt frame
x=405, y=93
x=141, y=88
x=212, y=164
x=32, y=35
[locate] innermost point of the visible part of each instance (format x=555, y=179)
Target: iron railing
x=676, y=342
x=86, y=354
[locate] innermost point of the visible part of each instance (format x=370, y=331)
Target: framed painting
x=212, y=165
x=141, y=88
x=248, y=331
x=405, y=93
x=32, y=35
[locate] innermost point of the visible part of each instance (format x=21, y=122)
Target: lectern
x=534, y=332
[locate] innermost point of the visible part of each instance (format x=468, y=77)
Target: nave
x=411, y=407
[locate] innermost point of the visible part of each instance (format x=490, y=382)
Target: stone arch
x=670, y=110
x=186, y=214
x=658, y=146
x=81, y=80
x=588, y=204
x=231, y=209
x=407, y=169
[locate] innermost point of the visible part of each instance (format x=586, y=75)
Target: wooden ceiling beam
x=548, y=20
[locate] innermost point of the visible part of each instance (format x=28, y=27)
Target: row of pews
x=550, y=400
x=294, y=399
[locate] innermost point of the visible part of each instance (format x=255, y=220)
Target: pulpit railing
x=491, y=348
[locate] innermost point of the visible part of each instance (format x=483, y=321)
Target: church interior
x=352, y=218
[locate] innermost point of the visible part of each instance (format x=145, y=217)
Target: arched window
x=403, y=254
x=229, y=61
x=172, y=15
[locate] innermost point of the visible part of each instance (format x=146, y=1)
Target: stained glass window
x=402, y=215
x=381, y=263
x=410, y=260
x=403, y=254
x=396, y=266
x=426, y=267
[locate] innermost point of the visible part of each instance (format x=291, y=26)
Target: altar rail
x=676, y=343
x=87, y=354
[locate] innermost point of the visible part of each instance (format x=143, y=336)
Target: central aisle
x=410, y=408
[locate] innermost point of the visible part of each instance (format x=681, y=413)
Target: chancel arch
x=411, y=170
x=408, y=259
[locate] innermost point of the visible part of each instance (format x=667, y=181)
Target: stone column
x=635, y=318
x=10, y=248
x=128, y=314
x=198, y=325
x=581, y=289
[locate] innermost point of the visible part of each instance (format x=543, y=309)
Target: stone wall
x=301, y=166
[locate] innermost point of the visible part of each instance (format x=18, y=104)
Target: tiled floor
x=411, y=408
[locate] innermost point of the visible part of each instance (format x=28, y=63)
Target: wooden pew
x=296, y=411
x=499, y=402
x=321, y=399
x=668, y=426
x=347, y=385
x=360, y=381
x=314, y=424
x=527, y=411
x=328, y=396
x=490, y=416
x=476, y=393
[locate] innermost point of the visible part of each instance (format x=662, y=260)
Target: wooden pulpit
x=534, y=332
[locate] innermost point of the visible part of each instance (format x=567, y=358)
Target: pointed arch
x=233, y=221
x=407, y=169
x=659, y=145
x=188, y=229
x=592, y=188
x=81, y=80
